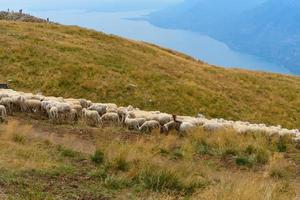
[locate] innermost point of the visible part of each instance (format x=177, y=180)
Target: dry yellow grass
x=199, y=166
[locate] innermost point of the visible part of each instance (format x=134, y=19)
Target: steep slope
x=75, y=62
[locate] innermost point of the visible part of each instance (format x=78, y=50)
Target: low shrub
x=98, y=157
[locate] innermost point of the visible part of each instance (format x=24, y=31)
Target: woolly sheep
x=212, y=127
x=92, y=117
x=162, y=118
x=149, y=126
x=110, y=118
x=53, y=114
x=131, y=124
x=8, y=103
x=73, y=116
x=32, y=105
x=3, y=113
x=77, y=107
x=186, y=127
x=18, y=103
x=100, y=108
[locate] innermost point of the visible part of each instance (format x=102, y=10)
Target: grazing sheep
x=100, y=108
x=33, y=105
x=8, y=103
x=77, y=107
x=63, y=107
x=212, y=127
x=166, y=128
x=162, y=118
x=3, y=113
x=18, y=103
x=2, y=95
x=122, y=112
x=92, y=117
x=131, y=124
x=53, y=114
x=140, y=120
x=149, y=126
x=112, y=110
x=110, y=118
x=84, y=103
x=73, y=116
x=199, y=115
x=186, y=127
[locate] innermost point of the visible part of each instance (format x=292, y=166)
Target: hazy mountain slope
x=75, y=62
x=202, y=16
x=269, y=29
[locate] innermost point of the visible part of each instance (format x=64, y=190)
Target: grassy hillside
x=75, y=62
x=39, y=160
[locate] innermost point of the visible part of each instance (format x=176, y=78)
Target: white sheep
x=131, y=124
x=84, y=103
x=186, y=127
x=92, y=117
x=100, y=108
x=18, y=103
x=149, y=126
x=110, y=118
x=3, y=113
x=53, y=114
x=73, y=116
x=212, y=126
x=162, y=118
x=77, y=107
x=33, y=105
x=8, y=103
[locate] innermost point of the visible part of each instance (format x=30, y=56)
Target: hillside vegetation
x=40, y=160
x=75, y=62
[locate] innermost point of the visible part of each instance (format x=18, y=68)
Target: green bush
x=262, y=156
x=115, y=183
x=177, y=154
x=244, y=161
x=281, y=145
x=98, y=157
x=121, y=164
x=68, y=152
x=159, y=180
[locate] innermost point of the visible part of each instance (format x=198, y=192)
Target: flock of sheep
x=61, y=110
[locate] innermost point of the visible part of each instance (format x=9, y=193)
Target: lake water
x=199, y=46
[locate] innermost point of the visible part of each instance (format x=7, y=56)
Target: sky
x=97, y=5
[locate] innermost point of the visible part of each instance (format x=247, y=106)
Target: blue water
x=199, y=46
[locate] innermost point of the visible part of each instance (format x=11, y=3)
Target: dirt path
x=82, y=139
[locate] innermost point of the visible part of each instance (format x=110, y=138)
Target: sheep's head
x=163, y=129
x=84, y=111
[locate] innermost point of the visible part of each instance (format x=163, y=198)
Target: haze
x=97, y=5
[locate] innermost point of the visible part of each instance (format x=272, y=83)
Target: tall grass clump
x=98, y=157
x=281, y=168
x=245, y=149
x=160, y=179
